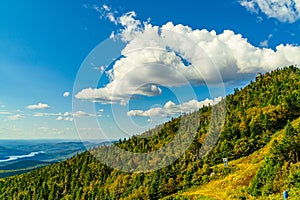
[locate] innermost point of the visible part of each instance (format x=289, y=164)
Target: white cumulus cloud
x=283, y=10
x=176, y=55
x=171, y=109
x=106, y=7
x=59, y=118
x=63, y=118
x=38, y=106
x=66, y=94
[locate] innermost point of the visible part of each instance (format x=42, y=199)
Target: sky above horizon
x=56, y=83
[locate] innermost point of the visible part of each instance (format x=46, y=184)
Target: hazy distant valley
x=20, y=156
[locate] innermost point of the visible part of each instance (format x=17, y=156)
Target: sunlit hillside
x=260, y=138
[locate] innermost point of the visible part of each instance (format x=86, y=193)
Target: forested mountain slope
x=264, y=174
x=264, y=111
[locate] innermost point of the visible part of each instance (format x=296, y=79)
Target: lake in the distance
x=19, y=156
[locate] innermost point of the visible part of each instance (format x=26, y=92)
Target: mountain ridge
x=253, y=116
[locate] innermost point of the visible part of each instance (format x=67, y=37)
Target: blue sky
x=43, y=45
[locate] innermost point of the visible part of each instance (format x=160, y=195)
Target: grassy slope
x=233, y=185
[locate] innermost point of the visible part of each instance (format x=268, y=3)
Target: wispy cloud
x=106, y=7
x=100, y=112
x=69, y=116
x=265, y=43
x=106, y=12
x=15, y=117
x=283, y=10
x=250, y=6
x=38, y=106
x=40, y=114
x=101, y=68
x=5, y=113
x=82, y=114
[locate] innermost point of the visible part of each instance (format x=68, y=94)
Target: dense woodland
x=254, y=114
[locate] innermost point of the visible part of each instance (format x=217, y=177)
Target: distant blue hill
x=19, y=156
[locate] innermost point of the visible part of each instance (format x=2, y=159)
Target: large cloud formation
x=176, y=55
x=283, y=10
